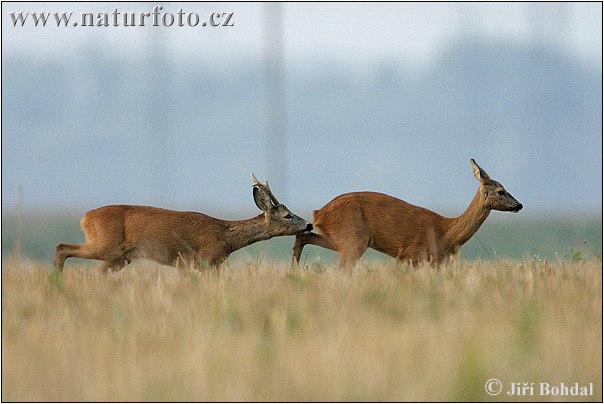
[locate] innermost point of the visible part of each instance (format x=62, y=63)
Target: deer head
x=277, y=216
x=494, y=194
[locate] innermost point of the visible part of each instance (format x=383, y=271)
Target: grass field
x=260, y=331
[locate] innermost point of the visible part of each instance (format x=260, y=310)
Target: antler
x=257, y=183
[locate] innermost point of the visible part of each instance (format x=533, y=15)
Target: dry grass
x=262, y=332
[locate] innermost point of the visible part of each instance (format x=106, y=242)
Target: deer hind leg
x=350, y=254
x=65, y=251
x=309, y=238
x=114, y=265
x=351, y=249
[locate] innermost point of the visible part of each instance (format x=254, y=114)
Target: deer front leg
x=412, y=254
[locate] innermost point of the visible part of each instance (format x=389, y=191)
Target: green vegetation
x=257, y=330
x=501, y=236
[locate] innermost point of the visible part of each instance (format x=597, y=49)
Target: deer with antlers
x=355, y=221
x=118, y=234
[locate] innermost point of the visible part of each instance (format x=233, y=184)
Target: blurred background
x=320, y=99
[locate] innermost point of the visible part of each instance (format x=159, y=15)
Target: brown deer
x=118, y=234
x=352, y=222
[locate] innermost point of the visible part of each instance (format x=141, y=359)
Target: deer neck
x=463, y=227
x=242, y=233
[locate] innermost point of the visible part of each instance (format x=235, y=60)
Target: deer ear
x=262, y=198
x=480, y=174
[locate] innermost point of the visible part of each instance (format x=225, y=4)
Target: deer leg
x=309, y=238
x=65, y=251
x=205, y=261
x=413, y=262
x=215, y=263
x=413, y=255
x=350, y=254
x=299, y=244
x=114, y=265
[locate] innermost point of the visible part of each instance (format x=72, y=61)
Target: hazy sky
x=356, y=34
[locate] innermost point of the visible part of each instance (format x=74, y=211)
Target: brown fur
x=118, y=234
x=355, y=221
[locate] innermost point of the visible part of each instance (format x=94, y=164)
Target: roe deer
x=352, y=222
x=118, y=234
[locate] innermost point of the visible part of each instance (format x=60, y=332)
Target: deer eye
x=288, y=216
x=502, y=193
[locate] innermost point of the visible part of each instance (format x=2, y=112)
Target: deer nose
x=519, y=207
x=308, y=227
